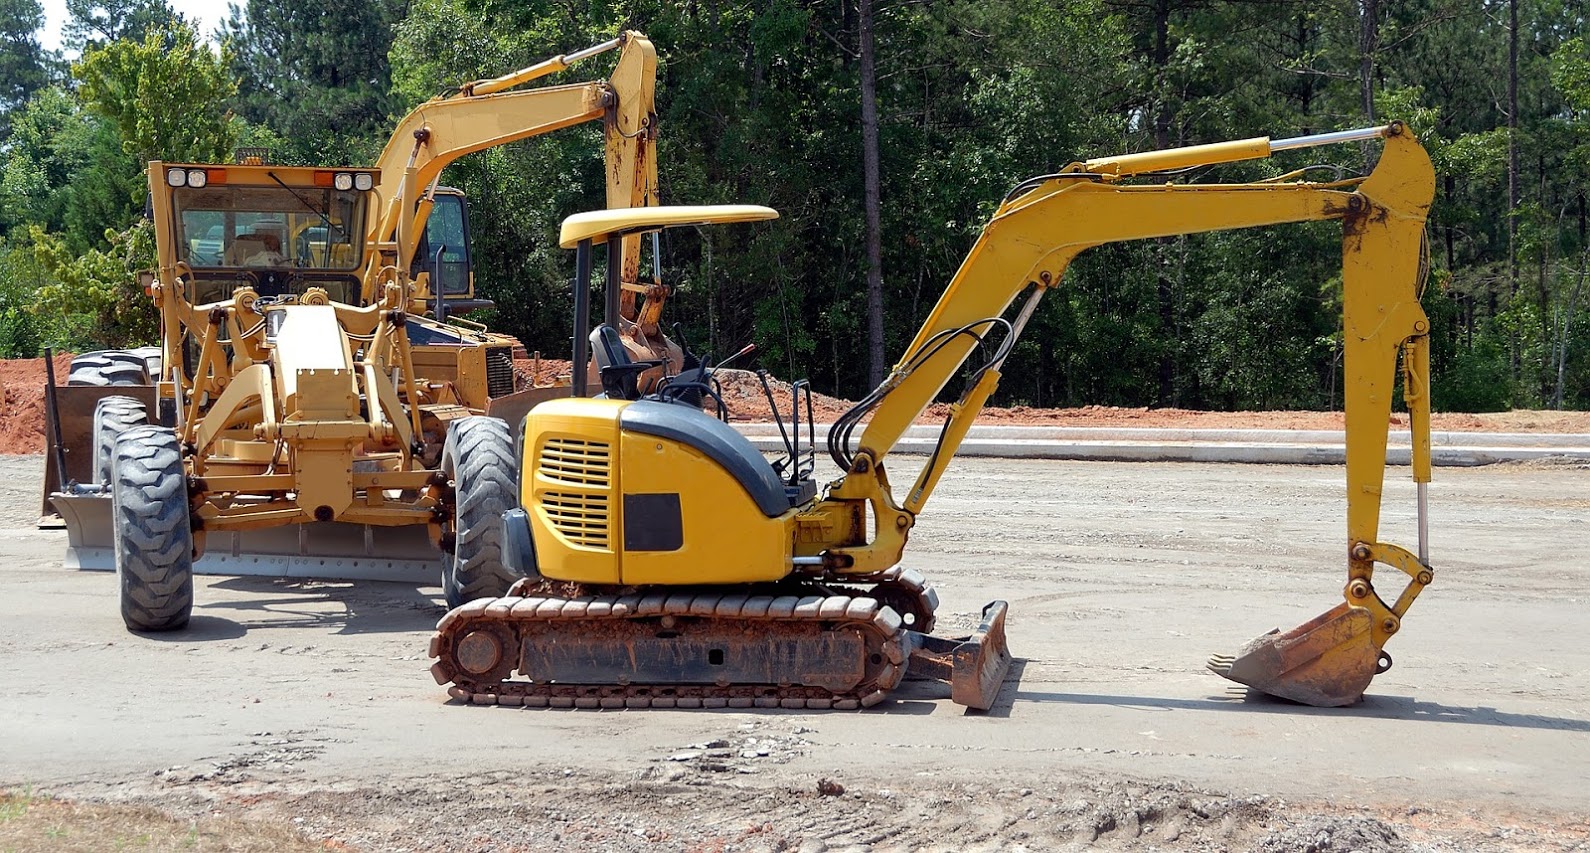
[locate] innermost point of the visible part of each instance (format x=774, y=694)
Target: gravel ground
x=306, y=704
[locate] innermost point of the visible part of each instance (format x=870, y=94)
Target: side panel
x=569, y=484
x=721, y=535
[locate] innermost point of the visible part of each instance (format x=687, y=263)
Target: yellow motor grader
x=302, y=414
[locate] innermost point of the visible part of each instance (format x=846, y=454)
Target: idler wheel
x=485, y=653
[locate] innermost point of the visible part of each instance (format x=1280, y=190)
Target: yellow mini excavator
x=669, y=564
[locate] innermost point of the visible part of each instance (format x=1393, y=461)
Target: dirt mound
x=747, y=401
x=22, y=407
x=1335, y=835
x=542, y=371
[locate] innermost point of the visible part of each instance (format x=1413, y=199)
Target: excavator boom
x=1044, y=225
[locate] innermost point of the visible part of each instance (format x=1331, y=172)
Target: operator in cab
x=268, y=253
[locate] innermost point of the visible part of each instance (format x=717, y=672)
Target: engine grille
x=579, y=514
x=499, y=371
x=579, y=518
x=577, y=462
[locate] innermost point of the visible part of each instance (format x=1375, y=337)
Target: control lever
x=436, y=283
x=747, y=350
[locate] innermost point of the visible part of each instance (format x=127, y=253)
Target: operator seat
x=685, y=424
x=619, y=372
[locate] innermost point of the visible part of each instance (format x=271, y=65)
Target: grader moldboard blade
x=1327, y=661
x=330, y=550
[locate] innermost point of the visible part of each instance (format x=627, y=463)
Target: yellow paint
x=570, y=483
x=726, y=537
x=598, y=225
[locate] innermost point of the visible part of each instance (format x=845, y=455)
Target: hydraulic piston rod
x=1256, y=148
x=538, y=70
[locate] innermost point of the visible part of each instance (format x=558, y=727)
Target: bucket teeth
x=1327, y=661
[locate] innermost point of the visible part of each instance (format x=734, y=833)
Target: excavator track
x=685, y=648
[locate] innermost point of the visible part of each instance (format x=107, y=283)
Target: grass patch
x=29, y=822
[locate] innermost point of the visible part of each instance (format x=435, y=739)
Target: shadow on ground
x=343, y=607
x=1244, y=701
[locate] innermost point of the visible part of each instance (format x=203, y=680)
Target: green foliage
x=316, y=72
x=50, y=140
x=95, y=294
x=23, y=64
x=1477, y=379
x=163, y=94
x=759, y=102
x=20, y=331
x=94, y=23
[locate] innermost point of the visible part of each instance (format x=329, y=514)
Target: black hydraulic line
x=844, y=427
x=53, y=414
x=582, y=315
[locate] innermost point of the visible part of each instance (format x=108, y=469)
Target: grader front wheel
x=154, y=539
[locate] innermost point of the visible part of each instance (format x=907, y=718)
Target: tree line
x=885, y=131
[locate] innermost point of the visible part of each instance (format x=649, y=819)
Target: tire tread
x=154, y=540
x=479, y=456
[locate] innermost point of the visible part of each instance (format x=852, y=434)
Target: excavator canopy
x=598, y=225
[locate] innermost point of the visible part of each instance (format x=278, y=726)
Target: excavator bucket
x=1327, y=661
x=974, y=666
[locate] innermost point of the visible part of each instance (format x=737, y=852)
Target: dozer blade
x=330, y=550
x=974, y=666
x=1327, y=661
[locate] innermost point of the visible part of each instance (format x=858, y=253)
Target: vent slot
x=499, y=371
x=577, y=462
x=581, y=519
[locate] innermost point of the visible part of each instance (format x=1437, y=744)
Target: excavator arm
x=487, y=113
x=1027, y=246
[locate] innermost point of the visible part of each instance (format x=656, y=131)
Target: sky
x=207, y=14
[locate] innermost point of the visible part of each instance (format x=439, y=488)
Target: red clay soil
x=22, y=406
x=742, y=392
x=22, y=411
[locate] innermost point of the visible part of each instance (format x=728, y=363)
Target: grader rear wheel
x=109, y=367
